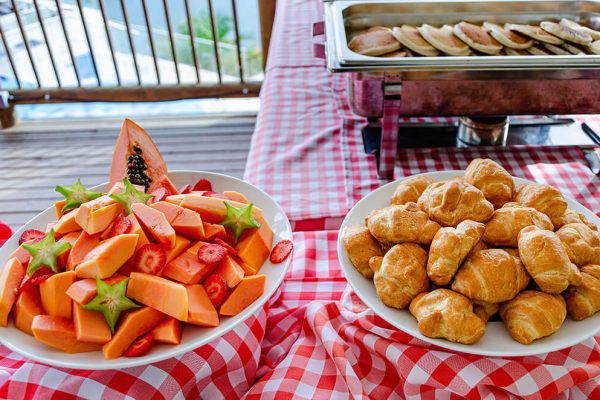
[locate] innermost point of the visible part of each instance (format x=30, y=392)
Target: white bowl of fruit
x=136, y=270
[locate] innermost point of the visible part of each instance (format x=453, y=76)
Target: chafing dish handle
x=318, y=29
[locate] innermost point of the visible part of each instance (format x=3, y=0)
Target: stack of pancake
x=566, y=37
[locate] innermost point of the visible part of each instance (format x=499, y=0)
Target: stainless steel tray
x=345, y=18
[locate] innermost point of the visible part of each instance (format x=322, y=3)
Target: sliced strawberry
x=31, y=234
x=5, y=233
x=36, y=278
x=216, y=289
x=140, y=347
x=230, y=237
x=281, y=251
x=121, y=226
x=203, y=184
x=227, y=247
x=185, y=189
x=160, y=194
x=150, y=259
x=211, y=253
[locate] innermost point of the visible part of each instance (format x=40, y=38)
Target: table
x=314, y=338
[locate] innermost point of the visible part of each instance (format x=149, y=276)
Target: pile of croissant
x=457, y=252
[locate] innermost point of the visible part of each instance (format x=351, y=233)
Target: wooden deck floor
x=37, y=156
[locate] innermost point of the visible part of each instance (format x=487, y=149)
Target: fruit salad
x=122, y=270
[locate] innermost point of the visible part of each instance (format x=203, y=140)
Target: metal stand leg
x=389, y=139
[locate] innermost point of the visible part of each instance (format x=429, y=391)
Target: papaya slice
x=248, y=270
x=70, y=238
x=236, y=196
x=58, y=206
x=231, y=271
x=255, y=245
x=96, y=215
x=187, y=268
x=181, y=245
x=212, y=231
x=82, y=246
x=106, y=258
x=84, y=290
x=162, y=294
x=21, y=254
x=201, y=310
x=60, y=333
x=211, y=209
x=27, y=306
x=185, y=222
x=169, y=331
x=11, y=277
x=248, y=290
x=156, y=223
x=136, y=228
x=135, y=150
x=135, y=324
x=90, y=326
x=67, y=223
x=54, y=294
x=119, y=188
x=166, y=183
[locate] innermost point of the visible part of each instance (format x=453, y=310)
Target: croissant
x=543, y=198
x=533, y=315
x=449, y=248
x=485, y=310
x=571, y=217
x=506, y=223
x=361, y=246
x=409, y=190
x=402, y=223
x=546, y=260
x=443, y=313
x=451, y=202
x=492, y=276
x=478, y=246
x=583, y=301
x=582, y=243
x=401, y=275
x=495, y=182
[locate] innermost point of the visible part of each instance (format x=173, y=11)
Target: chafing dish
x=390, y=88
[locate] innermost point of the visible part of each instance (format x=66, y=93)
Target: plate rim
x=439, y=342
x=177, y=350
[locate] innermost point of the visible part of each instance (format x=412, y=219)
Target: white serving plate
x=193, y=336
x=496, y=341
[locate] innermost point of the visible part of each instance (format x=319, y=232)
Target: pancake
x=443, y=39
x=379, y=28
x=556, y=49
x=509, y=39
x=538, y=50
x=534, y=32
x=477, y=38
x=410, y=38
x=573, y=49
x=594, y=47
x=397, y=53
x=516, y=52
x=578, y=27
x=566, y=33
x=374, y=43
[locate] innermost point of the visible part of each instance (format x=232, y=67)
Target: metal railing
x=132, y=50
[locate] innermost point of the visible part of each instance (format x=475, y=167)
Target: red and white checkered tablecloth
x=314, y=338
x=317, y=347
